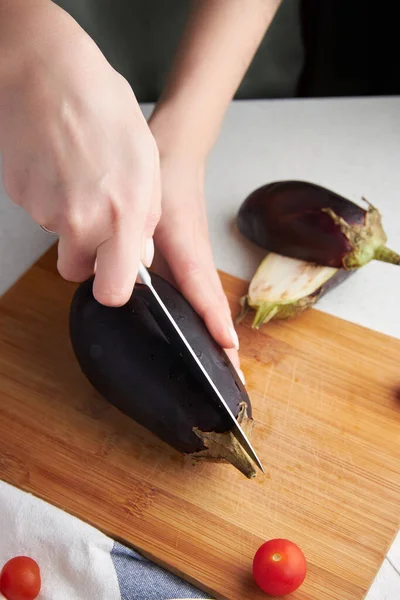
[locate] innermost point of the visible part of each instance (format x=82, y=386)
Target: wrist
x=180, y=131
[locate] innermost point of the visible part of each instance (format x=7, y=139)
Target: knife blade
x=171, y=329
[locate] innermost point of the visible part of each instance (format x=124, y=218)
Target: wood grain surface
x=326, y=399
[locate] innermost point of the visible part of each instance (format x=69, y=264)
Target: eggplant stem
x=224, y=447
x=265, y=312
x=387, y=255
x=367, y=241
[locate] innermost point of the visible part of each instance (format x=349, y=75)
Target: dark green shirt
x=140, y=37
x=312, y=48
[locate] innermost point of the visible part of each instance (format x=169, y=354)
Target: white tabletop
x=351, y=146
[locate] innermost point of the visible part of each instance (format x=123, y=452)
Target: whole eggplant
x=284, y=287
x=306, y=221
x=127, y=358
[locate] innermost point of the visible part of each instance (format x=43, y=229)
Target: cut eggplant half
x=308, y=222
x=130, y=362
x=284, y=287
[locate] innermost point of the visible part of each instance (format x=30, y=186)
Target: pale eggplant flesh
x=129, y=361
x=308, y=222
x=283, y=287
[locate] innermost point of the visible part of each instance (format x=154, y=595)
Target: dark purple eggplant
x=130, y=362
x=308, y=222
x=284, y=287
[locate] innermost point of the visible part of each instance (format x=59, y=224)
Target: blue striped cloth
x=140, y=579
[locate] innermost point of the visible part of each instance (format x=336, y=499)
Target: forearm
x=36, y=38
x=25, y=26
x=15, y=19
x=219, y=42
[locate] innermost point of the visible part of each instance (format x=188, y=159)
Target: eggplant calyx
x=265, y=312
x=368, y=241
x=224, y=447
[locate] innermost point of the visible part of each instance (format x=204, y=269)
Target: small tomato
x=20, y=579
x=279, y=567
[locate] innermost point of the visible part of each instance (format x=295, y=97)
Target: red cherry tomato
x=279, y=567
x=20, y=579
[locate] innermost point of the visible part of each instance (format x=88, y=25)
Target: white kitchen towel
x=77, y=561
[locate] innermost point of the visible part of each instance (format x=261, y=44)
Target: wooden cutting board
x=326, y=398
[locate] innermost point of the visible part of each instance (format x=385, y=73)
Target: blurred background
x=314, y=48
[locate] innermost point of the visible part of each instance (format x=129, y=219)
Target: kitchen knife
x=170, y=328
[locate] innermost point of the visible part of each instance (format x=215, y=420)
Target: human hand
x=183, y=240
x=77, y=153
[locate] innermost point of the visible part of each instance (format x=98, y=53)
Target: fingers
x=233, y=356
x=207, y=298
x=161, y=267
x=196, y=276
x=118, y=262
x=75, y=262
x=112, y=247
x=147, y=255
x=116, y=259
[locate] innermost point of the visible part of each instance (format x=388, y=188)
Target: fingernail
x=234, y=337
x=148, y=252
x=242, y=377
